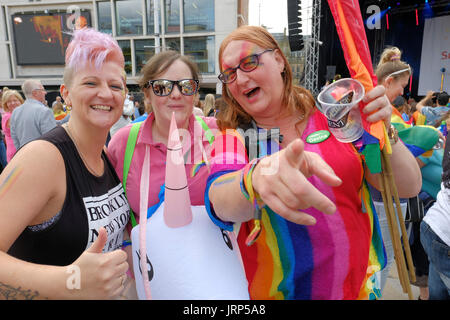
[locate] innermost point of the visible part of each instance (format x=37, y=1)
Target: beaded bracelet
x=249, y=193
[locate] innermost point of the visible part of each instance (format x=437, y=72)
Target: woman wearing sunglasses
x=170, y=82
x=312, y=236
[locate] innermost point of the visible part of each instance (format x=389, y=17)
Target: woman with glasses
x=170, y=82
x=304, y=232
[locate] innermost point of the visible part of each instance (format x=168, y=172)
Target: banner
x=435, y=55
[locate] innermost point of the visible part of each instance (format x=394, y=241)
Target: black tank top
x=91, y=202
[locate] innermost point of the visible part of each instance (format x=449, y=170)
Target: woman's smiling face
x=97, y=95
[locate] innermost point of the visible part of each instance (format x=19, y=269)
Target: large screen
x=42, y=39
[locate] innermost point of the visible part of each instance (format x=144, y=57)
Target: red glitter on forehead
x=247, y=49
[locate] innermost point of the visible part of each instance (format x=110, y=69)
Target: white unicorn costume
x=178, y=252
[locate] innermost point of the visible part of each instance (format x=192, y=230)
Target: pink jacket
x=193, y=154
x=10, y=148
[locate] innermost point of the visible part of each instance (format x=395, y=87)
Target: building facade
x=296, y=59
x=34, y=34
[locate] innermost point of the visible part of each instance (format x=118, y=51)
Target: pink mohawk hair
x=89, y=45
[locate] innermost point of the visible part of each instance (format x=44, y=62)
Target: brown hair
x=294, y=97
x=391, y=62
x=161, y=62
x=8, y=94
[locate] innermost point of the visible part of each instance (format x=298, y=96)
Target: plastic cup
x=339, y=103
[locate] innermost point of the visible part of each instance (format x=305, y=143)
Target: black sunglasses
x=164, y=87
x=247, y=64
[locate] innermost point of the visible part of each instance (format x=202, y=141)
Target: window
x=144, y=50
x=198, y=15
x=201, y=50
x=172, y=9
x=173, y=44
x=126, y=49
x=4, y=19
x=104, y=17
x=129, y=17
x=151, y=17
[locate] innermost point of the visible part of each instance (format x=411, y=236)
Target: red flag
x=350, y=28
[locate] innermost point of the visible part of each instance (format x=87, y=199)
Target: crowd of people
x=296, y=206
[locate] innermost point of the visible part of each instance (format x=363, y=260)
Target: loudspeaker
x=295, y=25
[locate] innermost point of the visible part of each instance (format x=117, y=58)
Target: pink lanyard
x=143, y=204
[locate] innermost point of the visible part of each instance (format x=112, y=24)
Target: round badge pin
x=318, y=136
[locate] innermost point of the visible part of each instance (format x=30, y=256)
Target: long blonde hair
x=209, y=103
x=294, y=97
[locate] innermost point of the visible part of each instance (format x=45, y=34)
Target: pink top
x=192, y=152
x=10, y=148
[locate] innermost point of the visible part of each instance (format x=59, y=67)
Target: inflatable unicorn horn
x=179, y=253
x=177, y=209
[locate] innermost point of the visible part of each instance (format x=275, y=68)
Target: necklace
x=94, y=172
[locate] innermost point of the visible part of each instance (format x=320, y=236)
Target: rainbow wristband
x=249, y=193
x=246, y=182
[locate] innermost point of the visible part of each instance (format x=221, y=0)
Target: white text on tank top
x=110, y=211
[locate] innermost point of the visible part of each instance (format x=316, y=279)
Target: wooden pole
x=393, y=230
x=407, y=248
x=389, y=221
x=388, y=182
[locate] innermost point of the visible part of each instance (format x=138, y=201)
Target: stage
x=402, y=24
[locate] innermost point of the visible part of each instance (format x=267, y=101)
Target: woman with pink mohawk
x=62, y=207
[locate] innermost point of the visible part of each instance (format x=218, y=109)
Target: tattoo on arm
x=9, y=293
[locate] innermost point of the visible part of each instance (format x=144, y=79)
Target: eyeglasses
x=163, y=87
x=39, y=89
x=247, y=64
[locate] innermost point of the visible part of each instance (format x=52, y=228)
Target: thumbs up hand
x=281, y=181
x=102, y=274
x=99, y=243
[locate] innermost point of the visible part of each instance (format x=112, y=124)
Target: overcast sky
x=272, y=14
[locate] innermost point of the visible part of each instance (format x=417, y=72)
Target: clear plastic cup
x=339, y=103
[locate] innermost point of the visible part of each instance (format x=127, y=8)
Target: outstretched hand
x=281, y=181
